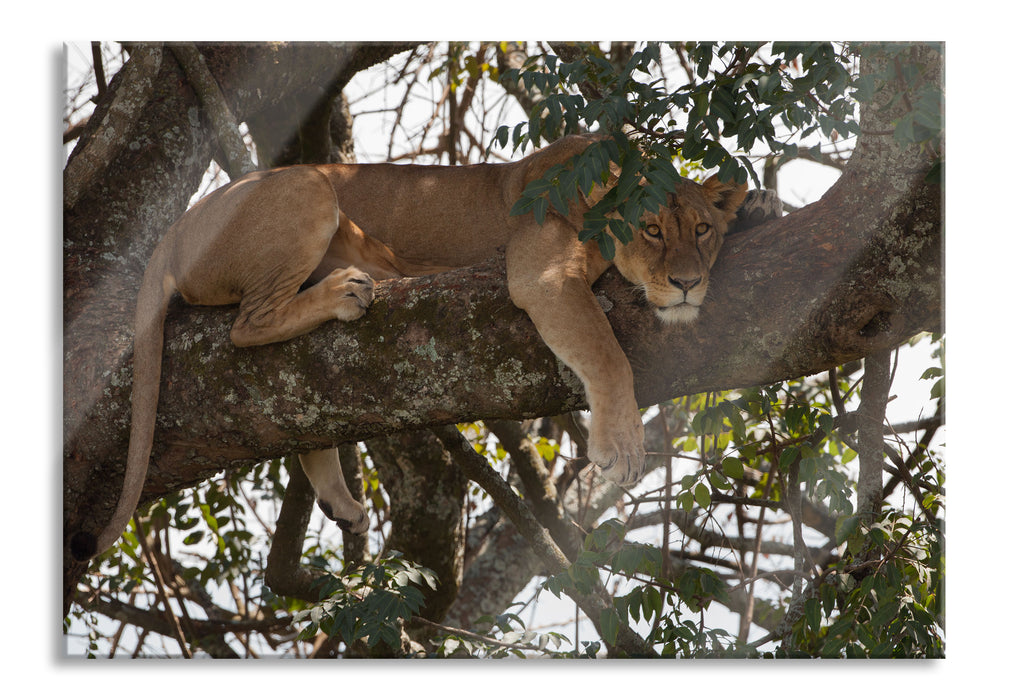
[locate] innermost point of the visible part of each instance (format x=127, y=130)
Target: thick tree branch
x=284, y=573
x=503, y=563
x=477, y=469
x=538, y=485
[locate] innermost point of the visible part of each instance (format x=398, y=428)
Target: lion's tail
x=148, y=344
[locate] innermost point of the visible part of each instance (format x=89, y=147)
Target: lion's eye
x=653, y=231
x=702, y=229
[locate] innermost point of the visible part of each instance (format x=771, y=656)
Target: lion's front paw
x=619, y=455
x=353, y=291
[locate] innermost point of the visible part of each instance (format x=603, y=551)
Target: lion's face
x=671, y=257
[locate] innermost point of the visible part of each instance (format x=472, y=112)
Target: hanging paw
x=618, y=451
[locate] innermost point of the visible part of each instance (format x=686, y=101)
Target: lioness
x=257, y=241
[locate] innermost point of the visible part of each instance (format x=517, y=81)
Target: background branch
x=225, y=126
x=284, y=573
x=107, y=138
x=477, y=469
x=871, y=417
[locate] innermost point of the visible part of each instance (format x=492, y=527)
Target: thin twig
x=159, y=582
x=668, y=493
x=473, y=635
x=96, y=59
x=871, y=417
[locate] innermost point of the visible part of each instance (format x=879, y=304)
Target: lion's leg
x=547, y=279
x=269, y=315
x=257, y=244
x=323, y=470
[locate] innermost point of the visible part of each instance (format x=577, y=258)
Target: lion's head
x=671, y=257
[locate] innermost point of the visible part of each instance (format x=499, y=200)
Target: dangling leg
x=567, y=316
x=323, y=469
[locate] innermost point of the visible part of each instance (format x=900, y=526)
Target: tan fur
x=257, y=240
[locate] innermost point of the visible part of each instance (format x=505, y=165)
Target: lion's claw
x=356, y=527
x=620, y=465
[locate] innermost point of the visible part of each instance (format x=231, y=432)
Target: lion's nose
x=684, y=285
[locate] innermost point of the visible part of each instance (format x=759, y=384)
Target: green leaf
x=887, y=611
x=788, y=456
x=812, y=608
x=540, y=210
x=826, y=422
x=662, y=178
x=879, y=534
x=935, y=173
x=557, y=201
x=606, y=246
x=651, y=602
x=609, y=623
x=586, y=169
x=832, y=648
x=732, y=467
x=844, y=528
x=524, y=205
x=828, y=595
x=628, y=559
x=702, y=496
x=719, y=482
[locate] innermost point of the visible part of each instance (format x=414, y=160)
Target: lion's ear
x=724, y=196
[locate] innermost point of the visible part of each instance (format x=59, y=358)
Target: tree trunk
x=854, y=273
x=427, y=492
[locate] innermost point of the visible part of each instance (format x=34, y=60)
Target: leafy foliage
x=800, y=87
x=884, y=602
x=368, y=603
x=742, y=95
x=659, y=602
